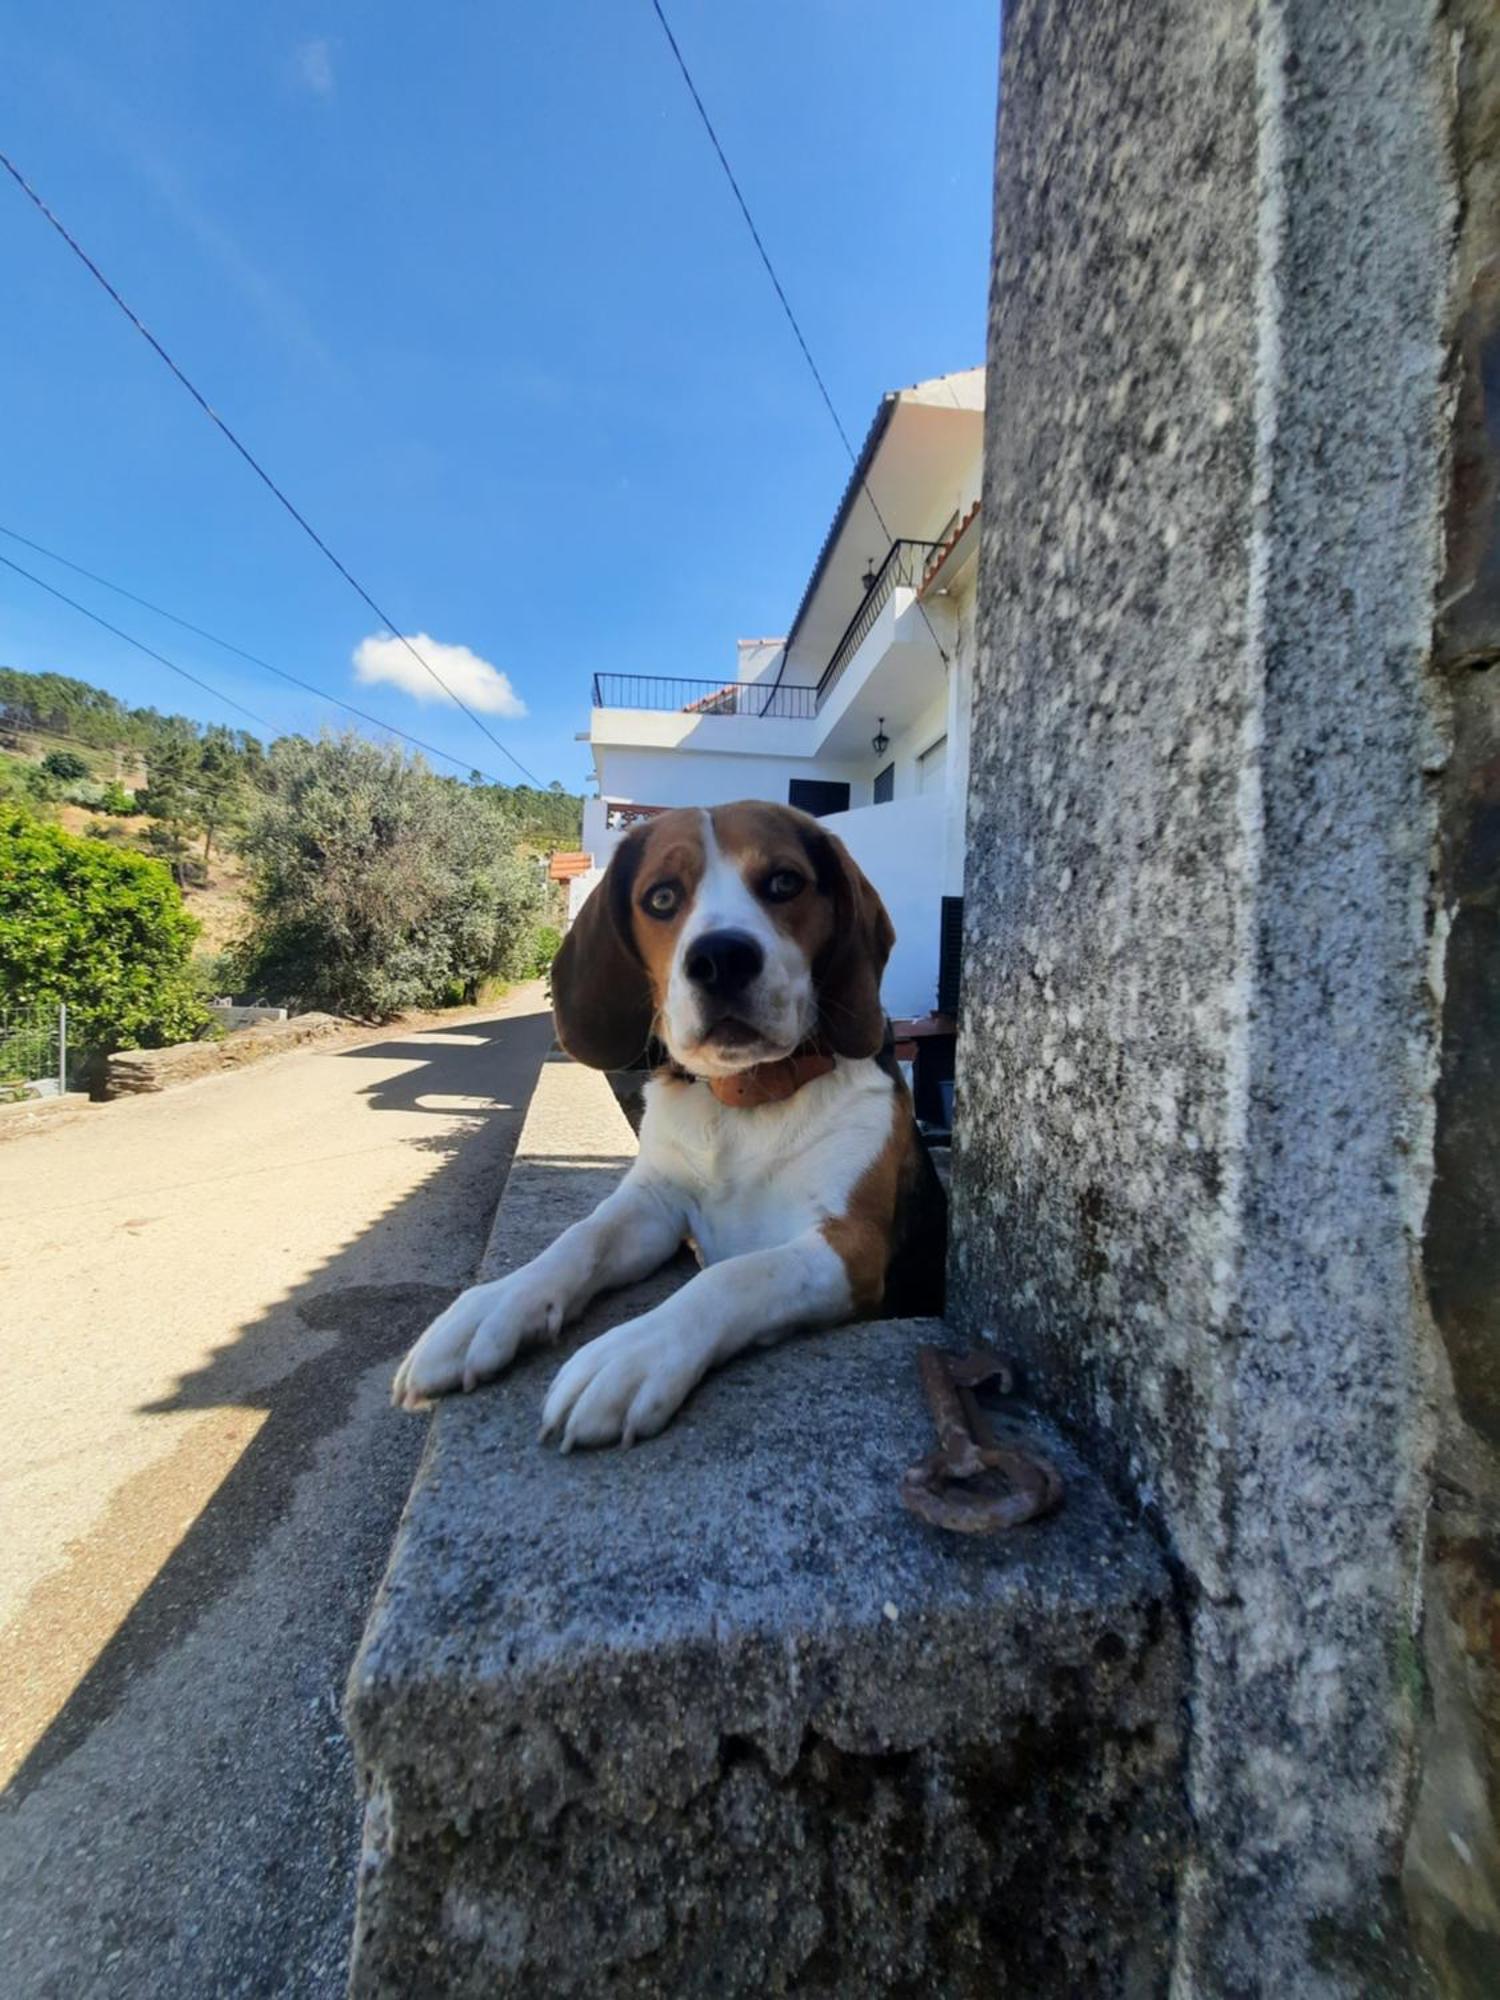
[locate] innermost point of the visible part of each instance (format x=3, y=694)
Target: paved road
x=201, y=1299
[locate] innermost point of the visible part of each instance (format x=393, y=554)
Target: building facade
x=861, y=714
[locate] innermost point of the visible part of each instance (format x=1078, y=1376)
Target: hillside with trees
x=341, y=874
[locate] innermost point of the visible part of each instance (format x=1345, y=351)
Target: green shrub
x=545, y=944
x=101, y=929
x=376, y=885
x=66, y=766
x=115, y=799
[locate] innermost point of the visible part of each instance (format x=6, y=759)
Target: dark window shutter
x=885, y=785
x=818, y=796
x=950, y=953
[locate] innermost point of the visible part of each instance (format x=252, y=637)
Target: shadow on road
x=292, y=1379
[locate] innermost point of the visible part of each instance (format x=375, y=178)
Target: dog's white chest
x=756, y=1179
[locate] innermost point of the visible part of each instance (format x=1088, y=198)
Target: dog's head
x=731, y=935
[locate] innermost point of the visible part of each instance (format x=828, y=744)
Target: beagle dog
x=744, y=946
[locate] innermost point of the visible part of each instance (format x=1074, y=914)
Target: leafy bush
x=66, y=766
x=376, y=885
x=114, y=798
x=103, y=930
x=546, y=942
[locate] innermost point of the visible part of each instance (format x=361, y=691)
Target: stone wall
x=1206, y=930
x=718, y=1716
x=132, y=1072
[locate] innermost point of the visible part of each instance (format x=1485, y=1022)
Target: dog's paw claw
x=622, y=1387
x=478, y=1336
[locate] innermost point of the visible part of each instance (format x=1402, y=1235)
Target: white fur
x=749, y=1188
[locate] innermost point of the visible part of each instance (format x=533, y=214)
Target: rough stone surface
x=133, y=1071
x=717, y=1716
x=1199, y=1034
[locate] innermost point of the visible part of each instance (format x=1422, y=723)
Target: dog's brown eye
x=662, y=901
x=782, y=886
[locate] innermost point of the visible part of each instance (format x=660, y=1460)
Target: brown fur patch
x=864, y=1236
x=671, y=852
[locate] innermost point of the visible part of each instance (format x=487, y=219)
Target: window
x=818, y=796
x=885, y=785
x=932, y=767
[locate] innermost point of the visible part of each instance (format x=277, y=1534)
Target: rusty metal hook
x=972, y=1484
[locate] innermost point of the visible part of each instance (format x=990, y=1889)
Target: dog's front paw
x=480, y=1334
x=625, y=1385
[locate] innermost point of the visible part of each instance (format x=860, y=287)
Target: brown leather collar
x=769, y=1082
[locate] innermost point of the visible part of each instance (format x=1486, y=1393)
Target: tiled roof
x=940, y=555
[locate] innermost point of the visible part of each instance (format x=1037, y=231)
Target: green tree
x=169, y=797
x=102, y=929
x=218, y=787
x=66, y=766
x=376, y=885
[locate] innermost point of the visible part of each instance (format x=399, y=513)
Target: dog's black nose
x=723, y=962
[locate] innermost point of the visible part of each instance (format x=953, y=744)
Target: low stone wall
x=716, y=1715
x=134, y=1071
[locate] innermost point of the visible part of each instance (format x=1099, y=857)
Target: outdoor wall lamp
x=880, y=742
x=868, y=579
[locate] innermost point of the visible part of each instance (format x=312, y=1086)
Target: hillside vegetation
x=340, y=873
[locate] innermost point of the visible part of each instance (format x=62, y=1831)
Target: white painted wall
x=758, y=659
x=721, y=735
x=580, y=888
x=899, y=848
x=668, y=778
x=946, y=715
x=594, y=829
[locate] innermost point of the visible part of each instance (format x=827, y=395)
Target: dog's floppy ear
x=848, y=970
x=601, y=997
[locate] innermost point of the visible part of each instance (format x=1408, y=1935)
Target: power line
x=255, y=466
x=139, y=644
x=750, y=225
x=765, y=258
x=202, y=632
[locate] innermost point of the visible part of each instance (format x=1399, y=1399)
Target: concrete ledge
x=717, y=1715
x=134, y=1071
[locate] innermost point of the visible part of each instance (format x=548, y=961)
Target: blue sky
x=469, y=281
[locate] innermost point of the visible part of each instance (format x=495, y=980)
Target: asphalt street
x=202, y=1298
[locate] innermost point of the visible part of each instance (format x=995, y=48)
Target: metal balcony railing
x=902, y=567
x=686, y=697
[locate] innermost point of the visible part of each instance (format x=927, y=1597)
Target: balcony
x=905, y=564
x=664, y=695
x=903, y=569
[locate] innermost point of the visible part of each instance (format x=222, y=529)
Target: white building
x=880, y=653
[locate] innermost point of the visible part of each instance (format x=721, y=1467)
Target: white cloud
x=474, y=681
x=314, y=65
